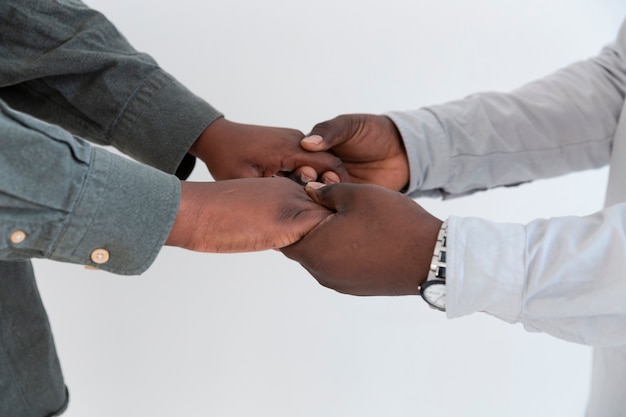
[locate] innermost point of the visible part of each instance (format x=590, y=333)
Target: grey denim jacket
x=66, y=65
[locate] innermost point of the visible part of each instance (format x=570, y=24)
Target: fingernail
x=313, y=139
x=331, y=179
x=305, y=179
x=316, y=185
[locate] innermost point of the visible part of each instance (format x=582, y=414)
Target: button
x=100, y=256
x=18, y=236
x=91, y=268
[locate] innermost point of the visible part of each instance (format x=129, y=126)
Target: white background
x=254, y=334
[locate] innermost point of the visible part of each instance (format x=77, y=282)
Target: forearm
x=69, y=201
x=559, y=124
x=562, y=276
x=68, y=65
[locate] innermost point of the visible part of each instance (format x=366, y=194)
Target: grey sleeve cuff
x=427, y=149
x=63, y=199
x=126, y=210
x=161, y=122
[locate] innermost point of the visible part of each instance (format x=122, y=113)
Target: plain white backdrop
x=253, y=334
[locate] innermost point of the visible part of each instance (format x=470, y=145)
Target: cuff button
x=18, y=236
x=100, y=256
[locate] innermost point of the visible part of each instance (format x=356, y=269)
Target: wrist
x=401, y=170
x=202, y=146
x=182, y=231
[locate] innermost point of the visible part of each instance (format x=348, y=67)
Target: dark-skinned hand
x=377, y=242
x=369, y=145
x=233, y=150
x=243, y=215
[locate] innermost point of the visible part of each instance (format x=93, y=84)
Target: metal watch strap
x=433, y=289
x=438, y=263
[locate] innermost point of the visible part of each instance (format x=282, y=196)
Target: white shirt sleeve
x=564, y=276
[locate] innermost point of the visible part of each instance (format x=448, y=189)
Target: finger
x=304, y=175
x=330, y=177
x=311, y=164
x=327, y=134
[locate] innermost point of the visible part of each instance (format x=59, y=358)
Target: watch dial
x=435, y=294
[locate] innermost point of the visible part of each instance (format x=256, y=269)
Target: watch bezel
x=429, y=283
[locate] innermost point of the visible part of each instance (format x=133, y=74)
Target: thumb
x=326, y=135
x=328, y=196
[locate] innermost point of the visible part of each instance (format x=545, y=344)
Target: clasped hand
x=376, y=242
x=355, y=238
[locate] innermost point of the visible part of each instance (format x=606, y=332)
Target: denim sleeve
x=68, y=65
x=63, y=199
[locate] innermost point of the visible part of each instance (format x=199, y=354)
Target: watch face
x=434, y=293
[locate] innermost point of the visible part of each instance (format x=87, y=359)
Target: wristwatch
x=433, y=290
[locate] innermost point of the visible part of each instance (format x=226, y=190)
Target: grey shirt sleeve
x=63, y=199
x=67, y=64
x=559, y=124
x=66, y=200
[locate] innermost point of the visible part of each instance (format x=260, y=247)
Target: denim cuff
x=125, y=214
x=168, y=119
x=63, y=408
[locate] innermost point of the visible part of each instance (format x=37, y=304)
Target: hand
x=243, y=215
x=233, y=150
x=370, y=147
x=377, y=242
